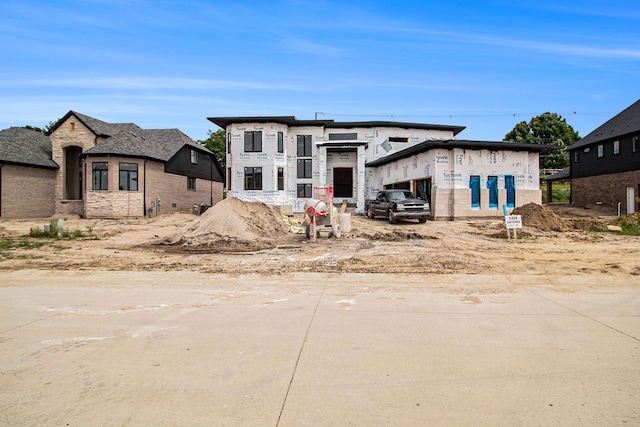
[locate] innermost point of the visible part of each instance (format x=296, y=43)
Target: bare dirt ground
x=235, y=240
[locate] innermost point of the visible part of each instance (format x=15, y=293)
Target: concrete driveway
x=184, y=348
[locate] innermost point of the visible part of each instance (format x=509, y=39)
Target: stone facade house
x=605, y=165
x=279, y=160
x=121, y=170
x=27, y=174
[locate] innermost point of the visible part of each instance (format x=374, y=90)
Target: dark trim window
x=191, y=184
x=343, y=136
x=576, y=157
x=305, y=191
x=229, y=143
x=304, y=146
x=280, y=179
x=398, y=139
x=616, y=147
x=305, y=168
x=280, y=142
x=194, y=157
x=636, y=144
x=128, y=177
x=600, y=150
x=100, y=176
x=253, y=141
x=252, y=178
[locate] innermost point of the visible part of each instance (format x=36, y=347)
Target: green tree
x=547, y=129
x=46, y=129
x=216, y=143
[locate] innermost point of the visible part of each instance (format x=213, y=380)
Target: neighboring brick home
x=279, y=160
x=605, y=164
x=121, y=170
x=27, y=174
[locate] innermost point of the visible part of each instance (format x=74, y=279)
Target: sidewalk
x=182, y=348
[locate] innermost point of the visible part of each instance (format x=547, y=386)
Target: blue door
x=510, y=186
x=474, y=185
x=492, y=185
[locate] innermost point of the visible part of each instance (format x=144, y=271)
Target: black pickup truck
x=397, y=204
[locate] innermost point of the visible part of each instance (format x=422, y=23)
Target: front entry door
x=343, y=182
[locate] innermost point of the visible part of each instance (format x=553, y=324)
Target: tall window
x=304, y=152
x=280, y=142
x=305, y=191
x=616, y=147
x=474, y=185
x=636, y=144
x=280, y=178
x=600, y=150
x=305, y=168
x=252, y=178
x=253, y=141
x=100, y=172
x=304, y=146
x=191, y=184
x=194, y=157
x=128, y=176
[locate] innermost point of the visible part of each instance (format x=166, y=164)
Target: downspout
x=144, y=188
x=211, y=182
x=1, y=165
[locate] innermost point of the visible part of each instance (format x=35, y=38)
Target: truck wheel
x=422, y=220
x=392, y=218
x=370, y=214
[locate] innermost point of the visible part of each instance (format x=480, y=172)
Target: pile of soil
x=232, y=225
x=541, y=218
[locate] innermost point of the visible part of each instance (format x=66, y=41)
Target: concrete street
x=142, y=348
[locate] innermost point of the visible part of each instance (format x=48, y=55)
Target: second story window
x=304, y=146
x=280, y=142
x=253, y=141
x=194, y=157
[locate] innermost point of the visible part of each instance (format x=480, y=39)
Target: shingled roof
x=26, y=147
x=130, y=140
x=155, y=144
x=96, y=126
x=623, y=123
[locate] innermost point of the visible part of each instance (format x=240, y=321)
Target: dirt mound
x=541, y=218
x=232, y=225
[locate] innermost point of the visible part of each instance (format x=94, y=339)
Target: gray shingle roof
x=98, y=127
x=21, y=146
x=623, y=123
x=156, y=144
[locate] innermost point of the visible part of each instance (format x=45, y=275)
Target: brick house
x=27, y=174
x=121, y=170
x=279, y=160
x=605, y=164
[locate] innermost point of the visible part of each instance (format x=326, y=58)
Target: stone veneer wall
x=71, y=133
x=454, y=204
x=169, y=188
x=27, y=192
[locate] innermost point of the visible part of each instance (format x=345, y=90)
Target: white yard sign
x=513, y=222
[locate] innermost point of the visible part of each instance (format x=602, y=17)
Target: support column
x=360, y=183
x=322, y=166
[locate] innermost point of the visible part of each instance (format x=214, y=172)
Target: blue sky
x=171, y=64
